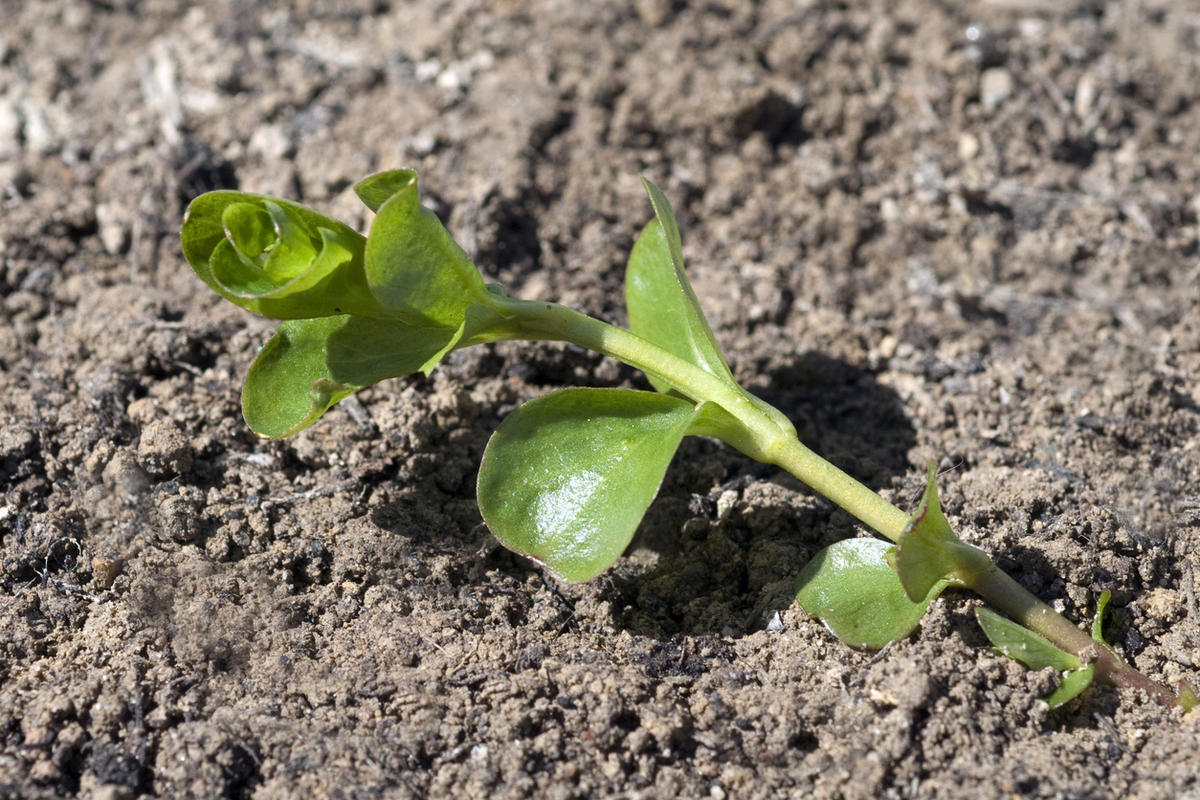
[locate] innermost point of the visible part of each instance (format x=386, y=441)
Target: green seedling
x=567, y=477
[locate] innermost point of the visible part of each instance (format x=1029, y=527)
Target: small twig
x=879, y=655
x=860, y=677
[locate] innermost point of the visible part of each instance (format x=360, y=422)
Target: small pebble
x=968, y=146
x=653, y=12
x=1085, y=96
x=105, y=571
x=270, y=142
x=995, y=86
x=36, y=129
x=10, y=129
x=113, y=232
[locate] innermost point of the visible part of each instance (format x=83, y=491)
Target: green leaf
x=277, y=258
x=309, y=365
x=928, y=552
x=1036, y=652
x=852, y=589
x=662, y=305
x=1018, y=642
x=413, y=266
x=663, y=308
x=1098, y=621
x=567, y=477
x=375, y=190
x=1188, y=698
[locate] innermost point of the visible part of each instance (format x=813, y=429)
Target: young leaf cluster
x=567, y=477
x=357, y=309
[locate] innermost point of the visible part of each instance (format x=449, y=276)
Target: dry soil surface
x=965, y=231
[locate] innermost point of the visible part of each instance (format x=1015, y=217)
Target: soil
x=967, y=232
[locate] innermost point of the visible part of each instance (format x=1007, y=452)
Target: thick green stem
x=770, y=438
x=845, y=491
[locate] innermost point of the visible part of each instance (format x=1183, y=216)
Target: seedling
x=567, y=477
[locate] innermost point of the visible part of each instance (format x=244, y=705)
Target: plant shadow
x=724, y=562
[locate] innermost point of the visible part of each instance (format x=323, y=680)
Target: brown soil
x=923, y=230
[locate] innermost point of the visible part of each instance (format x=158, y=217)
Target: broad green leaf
x=414, y=267
x=662, y=305
x=277, y=258
x=852, y=589
x=566, y=478
x=309, y=365
x=928, y=552
x=663, y=308
x=1036, y=652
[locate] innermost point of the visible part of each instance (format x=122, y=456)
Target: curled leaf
x=852, y=589
x=567, y=477
x=277, y=258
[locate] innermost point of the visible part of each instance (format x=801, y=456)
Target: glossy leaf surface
x=929, y=552
x=852, y=589
x=567, y=477
x=661, y=303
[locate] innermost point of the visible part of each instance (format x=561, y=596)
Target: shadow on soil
x=724, y=563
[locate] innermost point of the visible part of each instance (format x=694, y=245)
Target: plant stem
x=771, y=439
x=848, y=493
x=541, y=321
x=1001, y=591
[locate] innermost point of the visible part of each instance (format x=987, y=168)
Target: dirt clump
x=924, y=230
